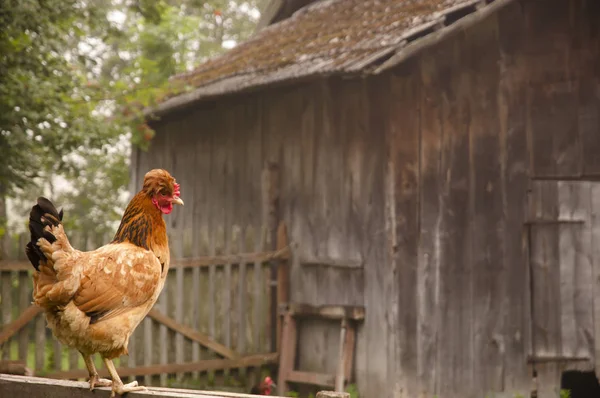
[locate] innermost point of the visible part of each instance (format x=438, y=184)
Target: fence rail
x=31, y=387
x=210, y=326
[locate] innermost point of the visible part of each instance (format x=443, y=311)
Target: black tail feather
x=42, y=214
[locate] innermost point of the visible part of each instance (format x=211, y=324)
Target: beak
x=177, y=200
x=273, y=385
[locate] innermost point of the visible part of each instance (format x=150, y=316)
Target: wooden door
x=564, y=240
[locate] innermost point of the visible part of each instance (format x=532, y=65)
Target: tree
x=68, y=66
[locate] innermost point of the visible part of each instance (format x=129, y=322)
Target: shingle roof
x=326, y=37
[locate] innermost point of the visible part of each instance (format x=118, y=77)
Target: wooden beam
x=246, y=258
x=234, y=259
x=15, y=368
x=335, y=312
x=340, y=377
x=23, y=386
x=288, y=353
x=193, y=334
x=200, y=366
x=26, y=316
x=316, y=379
x=332, y=263
x=7, y=265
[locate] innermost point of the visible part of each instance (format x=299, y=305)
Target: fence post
x=271, y=194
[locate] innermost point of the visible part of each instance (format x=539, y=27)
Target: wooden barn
x=436, y=163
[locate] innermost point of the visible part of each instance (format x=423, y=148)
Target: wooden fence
x=211, y=327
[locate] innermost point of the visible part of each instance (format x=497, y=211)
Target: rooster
x=264, y=388
x=93, y=301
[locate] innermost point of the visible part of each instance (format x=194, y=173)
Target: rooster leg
x=117, y=385
x=94, y=381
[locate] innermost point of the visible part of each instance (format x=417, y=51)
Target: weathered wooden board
x=515, y=182
x=430, y=209
x=563, y=289
x=403, y=213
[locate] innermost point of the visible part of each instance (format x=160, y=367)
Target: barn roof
x=324, y=38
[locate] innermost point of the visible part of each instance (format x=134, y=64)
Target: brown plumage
x=94, y=300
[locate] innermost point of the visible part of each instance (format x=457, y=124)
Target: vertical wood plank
x=288, y=353
x=430, y=210
x=148, y=345
x=487, y=219
x=7, y=304
x=212, y=293
x=163, y=335
x=545, y=266
x=553, y=91
x=595, y=203
x=403, y=209
x=512, y=111
x=40, y=343
x=179, y=303
x=24, y=302
x=242, y=300
x=283, y=280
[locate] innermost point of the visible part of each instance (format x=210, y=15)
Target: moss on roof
x=326, y=37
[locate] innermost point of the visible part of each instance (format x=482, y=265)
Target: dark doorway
x=580, y=384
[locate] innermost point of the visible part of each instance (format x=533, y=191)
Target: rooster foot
x=121, y=388
x=95, y=381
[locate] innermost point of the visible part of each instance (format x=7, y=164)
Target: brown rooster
x=94, y=300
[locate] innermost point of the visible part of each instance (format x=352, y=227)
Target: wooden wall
x=331, y=182
x=421, y=175
x=473, y=121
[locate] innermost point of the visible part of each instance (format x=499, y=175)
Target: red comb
x=176, y=190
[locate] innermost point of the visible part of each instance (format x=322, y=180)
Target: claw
x=121, y=389
x=95, y=381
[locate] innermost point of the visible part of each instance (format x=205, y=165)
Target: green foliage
x=74, y=78
x=565, y=393
x=352, y=389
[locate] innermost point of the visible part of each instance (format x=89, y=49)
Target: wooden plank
x=242, y=302
x=192, y=334
x=15, y=368
x=227, y=293
x=24, y=303
x=7, y=304
x=403, y=208
x=179, y=303
x=553, y=91
x=487, y=214
x=317, y=379
x=13, y=327
x=288, y=353
x=349, y=344
x=595, y=255
x=283, y=279
x=148, y=346
x=512, y=112
x=430, y=210
x=331, y=262
x=40, y=343
x=15, y=265
x=23, y=386
x=163, y=332
x=333, y=312
x=271, y=195
x=340, y=377
x=545, y=268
